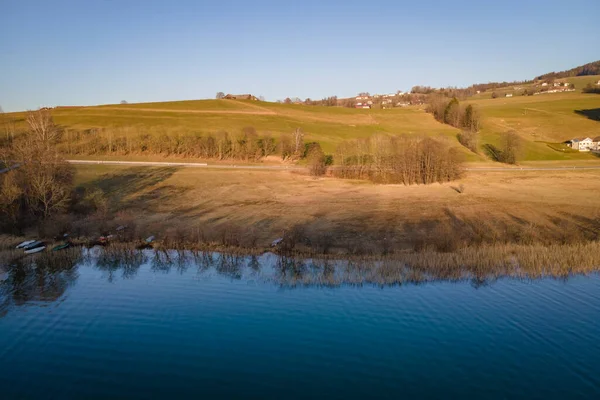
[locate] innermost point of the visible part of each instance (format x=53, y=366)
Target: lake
x=242, y=327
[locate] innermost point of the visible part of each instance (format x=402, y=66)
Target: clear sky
x=64, y=52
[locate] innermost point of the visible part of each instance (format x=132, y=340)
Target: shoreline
x=477, y=262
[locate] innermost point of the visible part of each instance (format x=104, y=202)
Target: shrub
x=316, y=160
x=469, y=139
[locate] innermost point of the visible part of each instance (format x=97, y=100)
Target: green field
x=327, y=125
x=543, y=121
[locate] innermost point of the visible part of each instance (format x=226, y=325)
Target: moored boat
x=61, y=247
x=25, y=243
x=33, y=245
x=35, y=250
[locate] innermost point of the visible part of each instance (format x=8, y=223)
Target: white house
x=508, y=95
x=584, y=144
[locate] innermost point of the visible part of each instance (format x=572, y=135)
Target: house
x=508, y=95
x=240, y=97
x=596, y=143
x=583, y=144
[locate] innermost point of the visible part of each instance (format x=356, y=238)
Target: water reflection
x=46, y=277
x=116, y=261
x=41, y=279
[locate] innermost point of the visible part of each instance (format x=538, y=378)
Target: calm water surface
x=94, y=330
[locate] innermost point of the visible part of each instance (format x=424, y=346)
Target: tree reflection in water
x=45, y=277
x=116, y=259
x=40, y=279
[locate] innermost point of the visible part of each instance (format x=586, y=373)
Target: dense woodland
x=592, y=68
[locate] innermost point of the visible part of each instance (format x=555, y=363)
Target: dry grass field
x=256, y=207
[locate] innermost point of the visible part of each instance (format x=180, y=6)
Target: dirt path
x=250, y=112
x=294, y=167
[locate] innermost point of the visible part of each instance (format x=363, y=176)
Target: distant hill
x=592, y=68
x=588, y=69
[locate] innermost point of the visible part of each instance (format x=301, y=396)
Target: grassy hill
x=327, y=125
x=542, y=121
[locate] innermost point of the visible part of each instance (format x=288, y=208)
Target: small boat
x=25, y=243
x=61, y=247
x=35, y=250
x=33, y=245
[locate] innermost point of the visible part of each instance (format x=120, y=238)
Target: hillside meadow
x=542, y=121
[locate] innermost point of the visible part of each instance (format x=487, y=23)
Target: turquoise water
x=243, y=329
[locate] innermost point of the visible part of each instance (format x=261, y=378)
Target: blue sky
x=95, y=52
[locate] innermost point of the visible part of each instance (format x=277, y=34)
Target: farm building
x=584, y=144
x=240, y=97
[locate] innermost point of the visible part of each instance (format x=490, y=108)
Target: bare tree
x=298, y=141
x=42, y=126
x=220, y=95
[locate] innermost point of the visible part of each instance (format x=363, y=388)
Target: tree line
x=592, y=68
x=245, y=145
x=466, y=118
x=398, y=159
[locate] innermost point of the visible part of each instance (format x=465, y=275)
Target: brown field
x=254, y=207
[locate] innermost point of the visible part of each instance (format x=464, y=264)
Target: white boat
x=276, y=242
x=36, y=250
x=24, y=244
x=34, y=244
